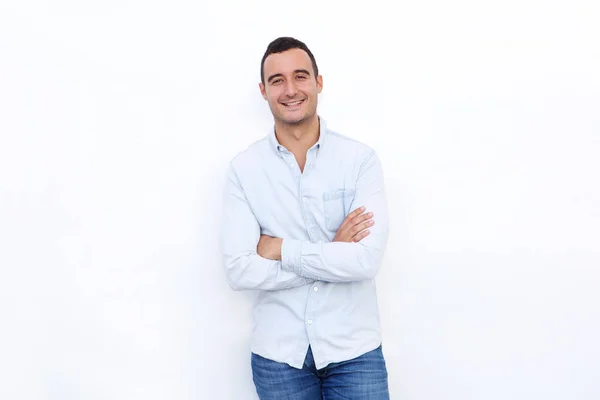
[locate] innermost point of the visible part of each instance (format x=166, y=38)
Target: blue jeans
x=364, y=377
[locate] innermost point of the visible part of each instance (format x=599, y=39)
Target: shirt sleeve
x=240, y=233
x=341, y=261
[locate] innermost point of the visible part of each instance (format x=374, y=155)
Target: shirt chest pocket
x=336, y=206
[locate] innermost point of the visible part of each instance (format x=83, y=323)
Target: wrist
x=291, y=251
x=277, y=243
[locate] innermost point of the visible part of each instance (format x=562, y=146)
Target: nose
x=290, y=88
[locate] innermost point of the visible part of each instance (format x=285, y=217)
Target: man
x=299, y=227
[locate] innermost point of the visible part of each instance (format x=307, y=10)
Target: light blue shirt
x=321, y=293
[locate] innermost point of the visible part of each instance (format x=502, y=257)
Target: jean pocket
x=337, y=204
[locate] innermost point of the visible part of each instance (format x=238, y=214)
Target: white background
x=118, y=119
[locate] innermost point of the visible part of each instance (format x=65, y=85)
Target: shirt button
x=309, y=321
x=304, y=199
x=316, y=289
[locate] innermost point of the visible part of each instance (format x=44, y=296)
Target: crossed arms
x=260, y=262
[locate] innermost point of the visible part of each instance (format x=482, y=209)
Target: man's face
x=290, y=86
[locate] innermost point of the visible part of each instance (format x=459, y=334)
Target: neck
x=298, y=138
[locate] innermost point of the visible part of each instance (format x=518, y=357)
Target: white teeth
x=293, y=104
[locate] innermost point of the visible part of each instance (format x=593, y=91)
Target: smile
x=293, y=104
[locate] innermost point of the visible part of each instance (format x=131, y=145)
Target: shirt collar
x=322, y=137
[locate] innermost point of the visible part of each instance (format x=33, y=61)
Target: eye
x=301, y=77
x=276, y=81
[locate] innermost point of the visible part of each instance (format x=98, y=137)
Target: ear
x=319, y=83
x=262, y=90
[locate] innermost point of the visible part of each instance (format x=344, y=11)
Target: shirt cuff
x=291, y=252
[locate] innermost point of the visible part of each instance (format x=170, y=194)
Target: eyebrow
x=298, y=71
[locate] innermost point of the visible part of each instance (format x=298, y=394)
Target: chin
x=294, y=121
x=297, y=119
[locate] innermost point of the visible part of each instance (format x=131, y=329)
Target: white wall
x=118, y=118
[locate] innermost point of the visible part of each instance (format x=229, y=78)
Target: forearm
x=253, y=272
x=343, y=261
x=240, y=233
x=331, y=262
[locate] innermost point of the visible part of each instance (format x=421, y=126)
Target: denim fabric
x=362, y=378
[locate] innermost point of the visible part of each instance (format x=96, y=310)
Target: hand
x=354, y=227
x=269, y=247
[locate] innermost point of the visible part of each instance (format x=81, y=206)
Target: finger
x=361, y=235
x=361, y=218
x=351, y=215
x=361, y=227
x=356, y=213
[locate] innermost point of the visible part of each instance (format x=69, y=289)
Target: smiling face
x=290, y=87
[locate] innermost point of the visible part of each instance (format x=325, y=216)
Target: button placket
x=307, y=177
x=311, y=314
x=313, y=295
x=306, y=214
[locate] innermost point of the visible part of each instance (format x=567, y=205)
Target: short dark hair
x=282, y=44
